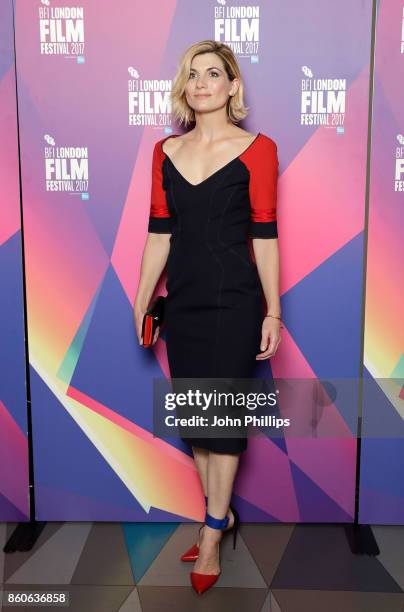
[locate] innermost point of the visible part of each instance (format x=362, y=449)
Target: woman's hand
x=271, y=337
x=139, y=313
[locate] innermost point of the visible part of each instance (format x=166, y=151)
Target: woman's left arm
x=266, y=252
x=263, y=166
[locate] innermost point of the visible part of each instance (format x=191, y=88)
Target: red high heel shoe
x=203, y=582
x=193, y=553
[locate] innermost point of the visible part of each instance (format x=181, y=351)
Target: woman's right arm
x=154, y=259
x=157, y=247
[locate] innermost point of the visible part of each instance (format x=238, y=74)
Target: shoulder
x=158, y=151
x=263, y=150
x=170, y=143
x=267, y=142
x=266, y=151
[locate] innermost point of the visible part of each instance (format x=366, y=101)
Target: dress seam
x=218, y=301
x=246, y=262
x=174, y=243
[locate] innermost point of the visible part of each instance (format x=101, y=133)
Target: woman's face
x=208, y=86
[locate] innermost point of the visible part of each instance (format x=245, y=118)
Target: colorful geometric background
x=95, y=456
x=14, y=500
x=382, y=457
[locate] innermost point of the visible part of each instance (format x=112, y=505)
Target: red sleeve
x=159, y=218
x=263, y=166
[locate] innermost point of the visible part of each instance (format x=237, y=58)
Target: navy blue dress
x=215, y=304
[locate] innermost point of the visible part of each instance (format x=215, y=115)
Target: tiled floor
x=133, y=567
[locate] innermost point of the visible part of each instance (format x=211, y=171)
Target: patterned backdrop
x=14, y=499
x=93, y=98
x=382, y=458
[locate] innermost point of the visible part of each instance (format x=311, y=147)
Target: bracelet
x=274, y=317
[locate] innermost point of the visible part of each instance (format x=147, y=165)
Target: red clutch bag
x=152, y=319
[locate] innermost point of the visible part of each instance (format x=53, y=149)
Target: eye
x=216, y=74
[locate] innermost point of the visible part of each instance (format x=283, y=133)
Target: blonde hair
x=181, y=110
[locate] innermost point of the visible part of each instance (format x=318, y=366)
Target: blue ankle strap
x=216, y=523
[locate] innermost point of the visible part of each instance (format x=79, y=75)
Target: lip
x=202, y=95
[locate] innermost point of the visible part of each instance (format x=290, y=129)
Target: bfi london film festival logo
x=66, y=168
x=149, y=101
x=323, y=101
x=238, y=27
x=61, y=30
x=399, y=169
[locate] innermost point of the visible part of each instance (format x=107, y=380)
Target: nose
x=200, y=82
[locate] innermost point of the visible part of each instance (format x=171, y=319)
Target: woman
x=212, y=188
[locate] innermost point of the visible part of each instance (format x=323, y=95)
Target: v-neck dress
x=215, y=303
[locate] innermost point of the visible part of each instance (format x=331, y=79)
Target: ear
x=234, y=87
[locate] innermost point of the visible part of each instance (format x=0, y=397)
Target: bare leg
x=201, y=456
x=222, y=469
